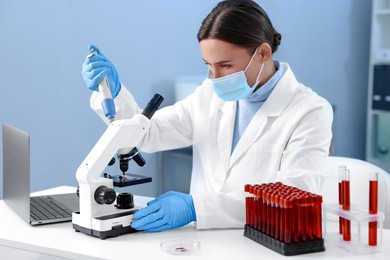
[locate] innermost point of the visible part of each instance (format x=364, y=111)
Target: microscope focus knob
x=125, y=200
x=105, y=195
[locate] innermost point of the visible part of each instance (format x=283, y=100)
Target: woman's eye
x=226, y=66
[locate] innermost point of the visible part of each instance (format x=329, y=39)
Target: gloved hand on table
x=96, y=67
x=170, y=210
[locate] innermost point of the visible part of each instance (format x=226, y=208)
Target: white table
x=18, y=240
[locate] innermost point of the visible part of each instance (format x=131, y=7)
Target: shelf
x=381, y=62
x=381, y=5
x=382, y=12
x=378, y=103
x=379, y=112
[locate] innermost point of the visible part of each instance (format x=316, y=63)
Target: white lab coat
x=287, y=140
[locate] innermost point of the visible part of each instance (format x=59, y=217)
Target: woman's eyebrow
x=219, y=62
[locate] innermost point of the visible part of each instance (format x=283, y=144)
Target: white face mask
x=234, y=87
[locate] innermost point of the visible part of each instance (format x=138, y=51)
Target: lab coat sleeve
x=220, y=210
x=303, y=162
x=170, y=126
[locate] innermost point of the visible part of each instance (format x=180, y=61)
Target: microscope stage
x=128, y=179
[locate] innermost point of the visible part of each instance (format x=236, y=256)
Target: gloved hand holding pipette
x=170, y=210
x=96, y=67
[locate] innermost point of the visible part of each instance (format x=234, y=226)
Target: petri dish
x=180, y=246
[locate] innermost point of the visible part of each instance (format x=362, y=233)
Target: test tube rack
x=359, y=218
x=283, y=218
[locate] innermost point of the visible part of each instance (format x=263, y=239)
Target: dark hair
x=240, y=22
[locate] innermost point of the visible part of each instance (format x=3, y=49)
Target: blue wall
x=44, y=42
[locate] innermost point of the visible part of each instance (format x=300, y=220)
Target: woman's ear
x=265, y=51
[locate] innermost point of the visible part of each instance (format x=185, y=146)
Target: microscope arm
x=120, y=134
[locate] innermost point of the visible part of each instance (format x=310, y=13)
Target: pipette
x=107, y=100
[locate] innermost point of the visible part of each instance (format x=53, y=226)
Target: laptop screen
x=16, y=170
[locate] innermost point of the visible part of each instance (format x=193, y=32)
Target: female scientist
x=249, y=122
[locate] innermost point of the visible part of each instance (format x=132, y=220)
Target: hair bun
x=277, y=40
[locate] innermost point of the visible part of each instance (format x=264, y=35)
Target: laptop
x=36, y=210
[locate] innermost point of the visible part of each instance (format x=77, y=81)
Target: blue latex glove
x=170, y=210
x=97, y=67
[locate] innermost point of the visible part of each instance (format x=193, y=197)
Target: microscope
x=98, y=215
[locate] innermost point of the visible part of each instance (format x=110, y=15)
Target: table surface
x=62, y=241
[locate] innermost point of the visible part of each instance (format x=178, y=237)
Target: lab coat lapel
x=250, y=135
x=273, y=107
x=225, y=131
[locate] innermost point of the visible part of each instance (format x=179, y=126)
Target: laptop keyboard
x=43, y=208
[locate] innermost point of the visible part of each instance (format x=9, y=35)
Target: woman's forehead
x=216, y=51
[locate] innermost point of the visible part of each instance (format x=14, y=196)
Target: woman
x=249, y=122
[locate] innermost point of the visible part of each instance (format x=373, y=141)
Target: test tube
x=277, y=215
x=310, y=217
x=268, y=220
x=272, y=223
x=255, y=206
x=373, y=208
x=296, y=217
x=304, y=218
x=283, y=212
x=258, y=207
x=287, y=222
x=282, y=217
x=248, y=203
x=341, y=172
x=264, y=211
x=319, y=216
x=346, y=206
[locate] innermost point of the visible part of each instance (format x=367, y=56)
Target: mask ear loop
x=258, y=75
x=253, y=56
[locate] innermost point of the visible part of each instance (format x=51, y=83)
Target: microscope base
x=108, y=226
x=114, y=232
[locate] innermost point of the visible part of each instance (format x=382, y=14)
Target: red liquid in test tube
x=310, y=217
x=264, y=211
x=285, y=213
x=268, y=220
x=373, y=209
x=296, y=224
x=346, y=206
x=318, y=205
x=341, y=173
x=287, y=223
x=272, y=223
x=304, y=221
x=252, y=215
x=277, y=215
x=282, y=218
x=248, y=203
x=315, y=217
x=255, y=206
x=259, y=207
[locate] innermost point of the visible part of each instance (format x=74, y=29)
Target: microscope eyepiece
x=152, y=106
